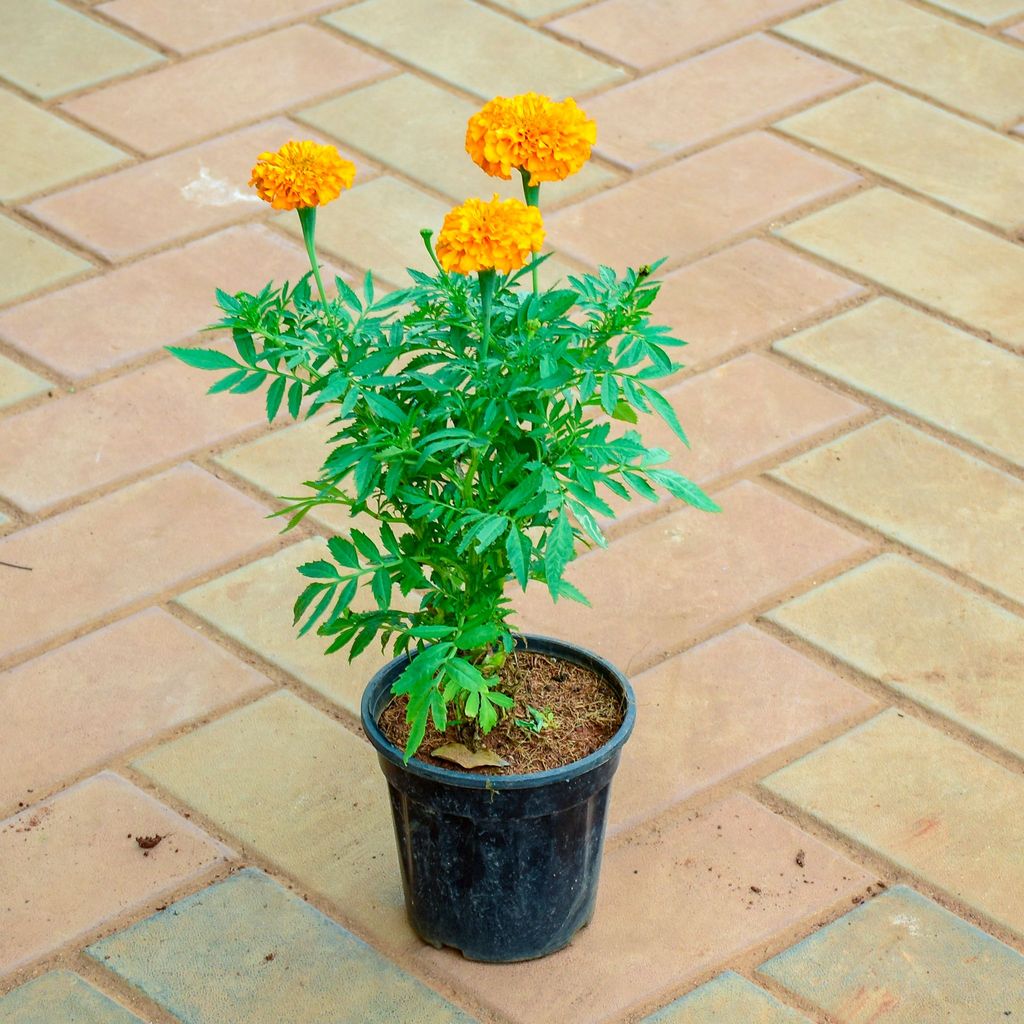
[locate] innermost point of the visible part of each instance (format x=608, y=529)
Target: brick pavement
x=828, y=827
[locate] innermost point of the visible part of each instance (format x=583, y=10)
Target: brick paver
x=697, y=204
x=871, y=962
x=193, y=190
x=107, y=692
x=758, y=547
x=17, y=383
x=171, y=301
x=97, y=559
x=897, y=136
x=285, y=780
x=248, y=949
x=32, y=262
x=62, y=995
x=732, y=87
x=916, y=251
x=912, y=361
x=938, y=500
x=756, y=696
x=931, y=816
x=68, y=865
x=924, y=52
x=924, y=636
x=837, y=187
x=49, y=49
x=646, y=33
x=743, y=295
x=44, y=151
x=485, y=53
x=728, y=999
x=185, y=102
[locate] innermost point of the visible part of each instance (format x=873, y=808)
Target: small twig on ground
x=11, y=565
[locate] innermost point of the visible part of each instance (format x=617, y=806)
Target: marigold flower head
x=301, y=174
x=549, y=140
x=495, y=235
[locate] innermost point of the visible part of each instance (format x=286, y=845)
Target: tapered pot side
x=500, y=867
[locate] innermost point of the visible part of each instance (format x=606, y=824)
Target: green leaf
x=566, y=589
x=679, y=487
x=558, y=551
x=624, y=411
x=251, y=383
x=228, y=382
x=203, y=358
x=557, y=303
x=295, y=399
x=381, y=587
x=384, y=407
x=303, y=601
x=244, y=344
x=518, y=549
x=320, y=608
x=664, y=409
x=319, y=570
x=348, y=296
x=588, y=522
x=344, y=552
x=477, y=636
x=274, y=395
x=365, y=546
x=609, y=393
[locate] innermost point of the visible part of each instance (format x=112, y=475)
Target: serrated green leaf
x=251, y=383
x=609, y=393
x=203, y=358
x=381, y=587
x=518, y=549
x=227, y=383
x=558, y=551
x=274, y=395
x=319, y=570
x=679, y=487
x=664, y=409
x=245, y=345
x=344, y=552
x=295, y=399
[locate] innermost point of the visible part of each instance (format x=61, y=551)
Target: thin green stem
x=532, y=195
x=307, y=218
x=486, y=278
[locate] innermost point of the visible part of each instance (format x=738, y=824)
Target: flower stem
x=486, y=278
x=532, y=195
x=307, y=218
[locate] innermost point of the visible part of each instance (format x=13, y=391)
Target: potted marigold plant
x=475, y=417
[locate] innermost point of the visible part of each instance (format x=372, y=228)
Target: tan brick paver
x=171, y=301
x=837, y=187
x=68, y=865
x=696, y=204
x=926, y=53
x=193, y=190
x=49, y=49
x=220, y=90
x=732, y=87
x=744, y=294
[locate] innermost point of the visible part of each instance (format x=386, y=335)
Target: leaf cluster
x=484, y=449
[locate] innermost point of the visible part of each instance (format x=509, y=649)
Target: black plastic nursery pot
x=500, y=867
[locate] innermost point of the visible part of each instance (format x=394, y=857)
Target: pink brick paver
x=827, y=672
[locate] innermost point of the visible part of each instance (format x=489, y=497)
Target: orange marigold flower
x=499, y=235
x=301, y=174
x=549, y=140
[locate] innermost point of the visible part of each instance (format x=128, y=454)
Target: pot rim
x=466, y=780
